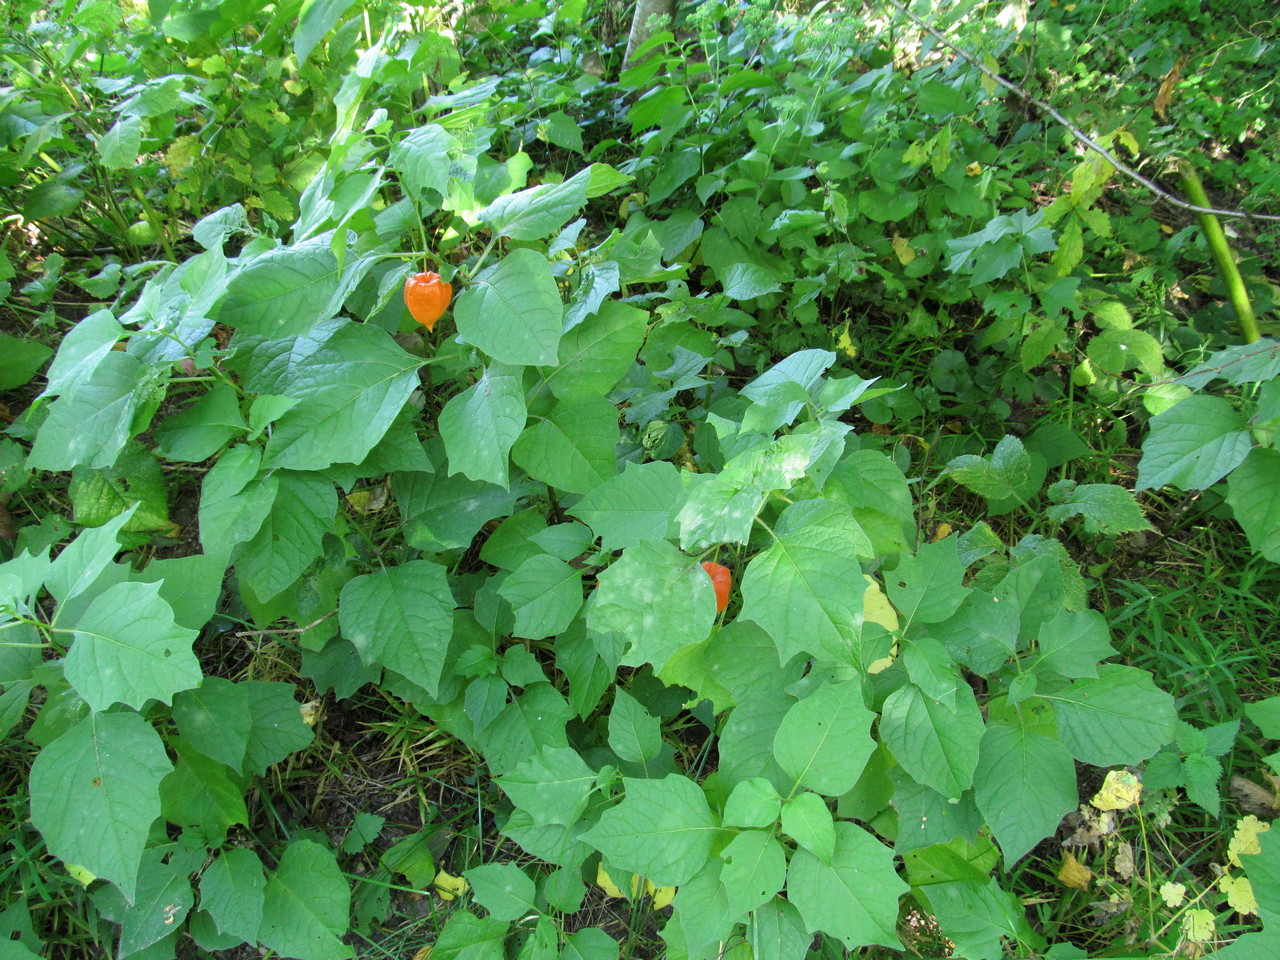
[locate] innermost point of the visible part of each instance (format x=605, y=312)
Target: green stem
x=1217, y=240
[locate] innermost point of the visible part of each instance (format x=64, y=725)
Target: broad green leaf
x=401, y=618
x=503, y=889
x=83, y=560
x=1115, y=351
x=512, y=311
x=163, y=899
x=119, y=146
x=317, y=19
x=215, y=718
x=589, y=662
x=1072, y=644
x=278, y=728
x=422, y=159
x=598, y=352
x=1193, y=445
x=535, y=719
x=745, y=281
x=22, y=359
x=290, y=537
x=285, y=292
x=936, y=744
x=806, y=589
x=926, y=817
x=95, y=791
x=546, y=595
x=538, y=212
x=231, y=890
x=444, y=513
x=90, y=423
x=552, y=786
x=1104, y=508
x=128, y=649
x=82, y=348
x=202, y=429
x=700, y=915
x=775, y=931
x=662, y=830
x=807, y=820
x=855, y=897
x=719, y=509
x=927, y=587
x=589, y=943
x=976, y=915
x=656, y=597
x=755, y=869
x=632, y=506
x=1003, y=475
x=1120, y=717
x=468, y=937
x=746, y=740
x=824, y=741
x=753, y=803
x=634, y=734
x=574, y=448
x=480, y=425
x=1254, y=498
x=306, y=905
x=932, y=669
x=233, y=502
x=200, y=797
x=1024, y=785
x=781, y=392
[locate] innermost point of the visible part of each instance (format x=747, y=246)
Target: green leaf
x=1193, y=445
x=538, y=212
x=1072, y=644
x=202, y=429
x=662, y=830
x=401, y=618
x=504, y=890
x=128, y=649
x=317, y=19
x=1105, y=508
x=233, y=502
x=306, y=905
x=755, y=868
x=926, y=587
x=422, y=159
x=163, y=900
x=285, y=292
x=656, y=597
x=855, y=897
x=1115, y=351
x=480, y=425
x=95, y=792
x=936, y=744
x=200, y=797
x=278, y=729
x=976, y=916
x=776, y=932
x=781, y=392
x=590, y=943
x=1005, y=474
x=231, y=890
x=1120, y=717
x=825, y=740
x=1024, y=785
x=552, y=786
x=512, y=311
x=574, y=448
x=806, y=589
x=596, y=353
x=634, y=734
x=215, y=718
x=83, y=560
x=290, y=537
x=119, y=146
x=1254, y=498
x=535, y=719
x=753, y=803
x=632, y=506
x=745, y=281
x=90, y=423
x=807, y=820
x=718, y=509
x=546, y=595
x=22, y=359
x=468, y=937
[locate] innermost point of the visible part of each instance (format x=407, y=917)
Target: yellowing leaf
x=1120, y=791
x=449, y=886
x=79, y=874
x=424, y=953
x=973, y=169
x=661, y=896
x=845, y=344
x=877, y=608
x=605, y=883
x=310, y=712
x=944, y=530
x=1245, y=839
x=902, y=247
x=1198, y=926
x=1074, y=873
x=1239, y=893
x=1173, y=894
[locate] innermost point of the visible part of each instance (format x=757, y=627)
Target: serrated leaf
x=1193, y=445
x=512, y=310
x=95, y=792
x=824, y=741
x=1105, y=509
x=306, y=905
x=1024, y=785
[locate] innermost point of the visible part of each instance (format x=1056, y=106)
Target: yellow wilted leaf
x=1164, y=96
x=1120, y=791
x=79, y=874
x=662, y=896
x=424, y=953
x=973, y=169
x=902, y=247
x=1198, y=926
x=877, y=608
x=449, y=886
x=605, y=883
x=1123, y=863
x=1239, y=893
x=944, y=530
x=845, y=344
x=1173, y=894
x=1074, y=874
x=310, y=712
x=1245, y=839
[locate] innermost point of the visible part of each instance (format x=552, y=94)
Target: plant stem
x=1217, y=239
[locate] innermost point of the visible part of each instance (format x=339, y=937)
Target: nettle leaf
x=1193, y=444
x=1120, y=717
x=825, y=740
x=656, y=597
x=512, y=311
x=855, y=897
x=480, y=425
x=231, y=890
x=632, y=506
x=935, y=743
x=1024, y=785
x=306, y=905
x=574, y=448
x=552, y=786
x=290, y=537
x=1253, y=493
x=1104, y=507
x=128, y=649
x=1005, y=474
x=927, y=588
x=504, y=890
x=95, y=792
x=662, y=830
x=635, y=735
x=804, y=590
x=598, y=352
x=755, y=868
x=546, y=595
x=401, y=618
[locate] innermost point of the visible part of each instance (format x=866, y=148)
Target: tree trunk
x=651, y=16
